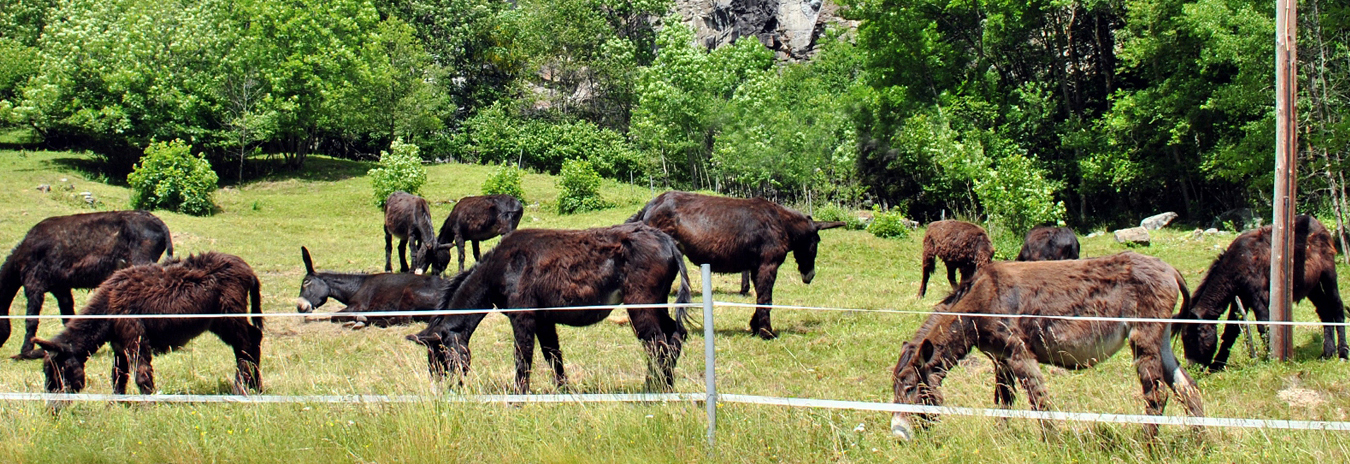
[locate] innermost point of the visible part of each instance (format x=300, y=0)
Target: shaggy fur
x=369, y=293
x=408, y=217
x=961, y=245
x=1243, y=272
x=1046, y=243
x=208, y=283
x=1125, y=285
x=536, y=268
x=739, y=235
x=475, y=219
x=78, y=251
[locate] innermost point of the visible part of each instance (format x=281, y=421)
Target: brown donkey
x=961, y=245
x=208, y=283
x=1126, y=285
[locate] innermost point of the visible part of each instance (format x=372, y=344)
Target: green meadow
x=843, y=355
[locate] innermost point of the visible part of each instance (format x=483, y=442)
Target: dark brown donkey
x=737, y=235
x=1243, y=272
x=208, y=283
x=1125, y=285
x=78, y=251
x=630, y=264
x=1048, y=243
x=475, y=219
x=369, y=293
x=961, y=245
x=408, y=217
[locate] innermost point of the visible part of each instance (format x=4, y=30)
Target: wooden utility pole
x=1286, y=149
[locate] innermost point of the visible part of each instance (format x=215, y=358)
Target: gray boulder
x=789, y=27
x=1158, y=221
x=1133, y=236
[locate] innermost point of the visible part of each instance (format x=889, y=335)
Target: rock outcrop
x=789, y=27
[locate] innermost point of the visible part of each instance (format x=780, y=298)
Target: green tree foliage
x=400, y=168
x=505, y=180
x=579, y=188
x=494, y=135
x=170, y=177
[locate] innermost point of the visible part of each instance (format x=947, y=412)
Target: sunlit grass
x=842, y=355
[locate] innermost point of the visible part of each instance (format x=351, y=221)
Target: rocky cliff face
x=789, y=27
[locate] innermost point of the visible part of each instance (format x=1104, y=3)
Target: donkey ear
x=828, y=225
x=50, y=345
x=926, y=352
x=425, y=339
x=309, y=263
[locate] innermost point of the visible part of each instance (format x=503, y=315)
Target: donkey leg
x=459, y=244
x=760, y=323
x=1027, y=371
x=1230, y=336
x=66, y=302
x=951, y=273
x=402, y=255
x=388, y=250
x=247, y=343
x=477, y=256
x=524, y=328
x=547, y=333
x=661, y=340
x=35, y=295
x=1326, y=298
x=745, y=282
x=928, y=264
x=1005, y=388
x=145, y=373
x=121, y=370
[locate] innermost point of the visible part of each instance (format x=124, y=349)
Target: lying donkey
x=369, y=293
x=1125, y=285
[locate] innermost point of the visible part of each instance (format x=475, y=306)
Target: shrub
x=580, y=188
x=1017, y=196
x=505, y=180
x=888, y=224
x=170, y=177
x=399, y=169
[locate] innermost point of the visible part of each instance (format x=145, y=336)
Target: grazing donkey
x=207, y=283
x=1243, y=272
x=739, y=235
x=61, y=253
x=369, y=293
x=1047, y=243
x=1125, y=285
x=408, y=217
x=475, y=219
x=961, y=245
x=537, y=268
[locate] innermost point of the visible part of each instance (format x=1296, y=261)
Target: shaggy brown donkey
x=537, y=268
x=961, y=245
x=408, y=217
x=77, y=251
x=208, y=283
x=1243, y=272
x=1126, y=285
x=1047, y=243
x=475, y=219
x=739, y=235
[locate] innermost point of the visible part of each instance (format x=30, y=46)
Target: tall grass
x=843, y=355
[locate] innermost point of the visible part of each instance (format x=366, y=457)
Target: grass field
x=827, y=355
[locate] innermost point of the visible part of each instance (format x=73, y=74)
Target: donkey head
x=804, y=244
x=447, y=348
x=440, y=257
x=915, y=384
x=63, y=366
x=313, y=290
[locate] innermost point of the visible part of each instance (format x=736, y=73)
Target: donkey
x=535, y=268
x=61, y=253
x=1243, y=272
x=207, y=283
x=369, y=293
x=475, y=219
x=961, y=245
x=408, y=217
x=1125, y=285
x=739, y=235
x=1048, y=243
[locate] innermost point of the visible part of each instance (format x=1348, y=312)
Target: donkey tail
x=255, y=293
x=1185, y=312
x=685, y=294
x=9, y=286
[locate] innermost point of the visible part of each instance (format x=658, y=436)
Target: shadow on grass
x=317, y=168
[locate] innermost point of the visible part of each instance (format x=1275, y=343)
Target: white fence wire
x=709, y=397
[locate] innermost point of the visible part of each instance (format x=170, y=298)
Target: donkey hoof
x=765, y=333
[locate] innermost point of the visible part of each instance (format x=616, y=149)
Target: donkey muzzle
x=901, y=428
x=807, y=277
x=303, y=306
